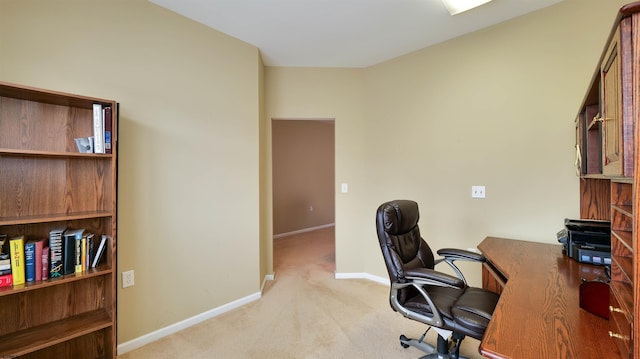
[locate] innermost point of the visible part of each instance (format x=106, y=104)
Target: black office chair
x=420, y=293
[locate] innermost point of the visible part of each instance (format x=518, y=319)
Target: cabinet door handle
x=613, y=309
x=598, y=118
x=619, y=336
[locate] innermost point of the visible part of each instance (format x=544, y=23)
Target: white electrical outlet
x=127, y=279
x=477, y=192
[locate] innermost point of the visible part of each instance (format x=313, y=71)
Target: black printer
x=586, y=241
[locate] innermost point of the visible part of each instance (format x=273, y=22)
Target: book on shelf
x=86, y=245
x=98, y=128
x=5, y=264
x=6, y=280
x=30, y=261
x=78, y=253
x=45, y=263
x=56, y=251
x=83, y=255
x=71, y=258
x=4, y=247
x=5, y=258
x=33, y=259
x=16, y=251
x=108, y=124
x=100, y=251
x=89, y=253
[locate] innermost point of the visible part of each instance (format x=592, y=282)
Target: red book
x=33, y=259
x=108, y=134
x=45, y=263
x=6, y=280
x=39, y=247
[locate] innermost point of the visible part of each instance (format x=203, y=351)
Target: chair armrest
x=461, y=254
x=432, y=277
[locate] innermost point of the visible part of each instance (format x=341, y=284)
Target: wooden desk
x=538, y=314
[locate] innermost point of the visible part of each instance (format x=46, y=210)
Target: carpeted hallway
x=303, y=313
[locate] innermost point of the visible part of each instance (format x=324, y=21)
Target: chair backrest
x=400, y=241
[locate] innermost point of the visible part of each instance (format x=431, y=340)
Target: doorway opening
x=303, y=170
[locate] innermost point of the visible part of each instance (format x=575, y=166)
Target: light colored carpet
x=304, y=313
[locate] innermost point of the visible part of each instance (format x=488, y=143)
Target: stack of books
x=65, y=252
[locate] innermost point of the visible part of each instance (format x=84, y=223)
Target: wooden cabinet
x=609, y=167
x=46, y=183
x=605, y=122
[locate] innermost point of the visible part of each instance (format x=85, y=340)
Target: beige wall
x=303, y=174
x=188, y=216
x=338, y=94
x=266, y=202
x=493, y=108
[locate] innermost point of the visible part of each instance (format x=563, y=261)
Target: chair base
x=443, y=350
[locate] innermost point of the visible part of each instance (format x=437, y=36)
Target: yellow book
x=16, y=250
x=83, y=260
x=78, y=252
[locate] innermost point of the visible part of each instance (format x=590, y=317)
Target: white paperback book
x=98, y=129
x=100, y=251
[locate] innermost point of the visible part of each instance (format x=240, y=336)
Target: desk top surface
x=538, y=314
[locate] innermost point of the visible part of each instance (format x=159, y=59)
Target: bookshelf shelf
x=8, y=221
x=625, y=210
x=52, y=154
x=44, y=336
x=99, y=271
x=45, y=184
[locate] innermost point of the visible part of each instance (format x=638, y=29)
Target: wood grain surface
x=538, y=315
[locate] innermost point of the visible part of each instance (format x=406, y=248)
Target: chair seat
x=467, y=311
x=443, y=297
x=474, y=308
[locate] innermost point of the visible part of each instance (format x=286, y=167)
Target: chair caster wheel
x=402, y=341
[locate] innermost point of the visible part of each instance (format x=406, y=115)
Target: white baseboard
x=303, y=230
x=371, y=277
x=176, y=327
x=267, y=277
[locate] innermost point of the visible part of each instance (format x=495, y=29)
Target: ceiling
x=343, y=33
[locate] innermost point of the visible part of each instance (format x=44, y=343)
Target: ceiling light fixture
x=458, y=6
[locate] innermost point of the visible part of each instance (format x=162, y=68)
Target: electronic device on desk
x=586, y=241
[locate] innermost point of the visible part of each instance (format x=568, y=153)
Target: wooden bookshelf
x=46, y=183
